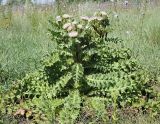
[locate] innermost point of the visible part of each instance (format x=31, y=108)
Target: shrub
x=87, y=70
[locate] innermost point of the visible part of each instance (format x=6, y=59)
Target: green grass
x=140, y=119
x=25, y=41
x=140, y=33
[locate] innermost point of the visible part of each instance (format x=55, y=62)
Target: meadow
x=25, y=39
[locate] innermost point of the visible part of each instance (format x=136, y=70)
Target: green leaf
x=71, y=108
x=57, y=88
x=77, y=71
x=100, y=81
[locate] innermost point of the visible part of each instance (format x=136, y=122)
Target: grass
x=24, y=42
x=139, y=30
x=140, y=119
x=24, y=39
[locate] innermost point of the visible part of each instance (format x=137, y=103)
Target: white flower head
x=58, y=19
x=73, y=34
x=66, y=25
x=70, y=28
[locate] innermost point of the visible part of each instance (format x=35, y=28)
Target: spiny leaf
x=77, y=71
x=100, y=81
x=60, y=84
x=71, y=108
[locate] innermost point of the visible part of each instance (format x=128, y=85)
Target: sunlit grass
x=140, y=32
x=24, y=40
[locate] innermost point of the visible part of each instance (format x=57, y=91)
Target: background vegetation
x=24, y=37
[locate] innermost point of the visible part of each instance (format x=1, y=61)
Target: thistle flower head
x=66, y=25
x=73, y=34
x=71, y=28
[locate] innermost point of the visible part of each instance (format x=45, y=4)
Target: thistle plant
x=86, y=69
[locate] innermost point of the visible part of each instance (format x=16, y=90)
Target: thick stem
x=78, y=53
